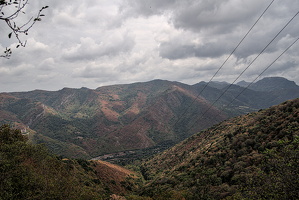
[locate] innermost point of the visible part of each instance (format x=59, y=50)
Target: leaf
x=42, y=15
x=9, y=35
x=44, y=7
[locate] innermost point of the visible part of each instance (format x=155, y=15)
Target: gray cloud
x=197, y=15
x=89, y=49
x=172, y=50
x=223, y=24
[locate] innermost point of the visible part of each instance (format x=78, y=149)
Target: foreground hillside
x=86, y=123
x=30, y=172
x=255, y=156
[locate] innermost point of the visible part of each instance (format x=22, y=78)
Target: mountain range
x=85, y=123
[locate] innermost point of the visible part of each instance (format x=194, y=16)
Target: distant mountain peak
x=243, y=83
x=273, y=83
x=215, y=84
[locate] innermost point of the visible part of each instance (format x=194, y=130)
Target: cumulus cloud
x=47, y=64
x=221, y=24
x=173, y=50
x=199, y=15
x=89, y=49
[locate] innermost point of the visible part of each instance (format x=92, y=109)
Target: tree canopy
x=29, y=171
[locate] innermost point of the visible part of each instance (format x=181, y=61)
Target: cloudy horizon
x=96, y=43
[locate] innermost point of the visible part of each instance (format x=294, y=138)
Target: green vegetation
x=29, y=172
x=249, y=157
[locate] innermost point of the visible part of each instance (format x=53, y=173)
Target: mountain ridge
x=87, y=123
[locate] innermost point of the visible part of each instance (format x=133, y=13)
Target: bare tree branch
x=14, y=27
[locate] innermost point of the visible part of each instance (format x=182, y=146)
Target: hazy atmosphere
x=94, y=43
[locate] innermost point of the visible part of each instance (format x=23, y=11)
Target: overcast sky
x=89, y=43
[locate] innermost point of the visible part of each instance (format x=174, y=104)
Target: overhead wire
x=181, y=116
x=207, y=135
x=245, y=88
x=206, y=85
x=227, y=88
x=244, y=37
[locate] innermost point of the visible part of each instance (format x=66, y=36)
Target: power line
x=182, y=115
x=241, y=72
x=262, y=72
x=247, y=67
x=188, y=107
x=205, y=136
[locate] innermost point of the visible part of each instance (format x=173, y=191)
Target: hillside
x=30, y=172
x=254, y=156
x=86, y=123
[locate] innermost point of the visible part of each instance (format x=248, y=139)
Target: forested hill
x=255, y=156
x=86, y=123
x=30, y=172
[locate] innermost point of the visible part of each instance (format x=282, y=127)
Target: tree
x=10, y=11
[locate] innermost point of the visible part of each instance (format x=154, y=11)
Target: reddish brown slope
x=113, y=118
x=156, y=122
x=116, y=177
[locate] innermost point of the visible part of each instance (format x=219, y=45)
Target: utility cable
x=188, y=107
x=182, y=115
x=246, y=68
x=261, y=73
x=207, y=135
